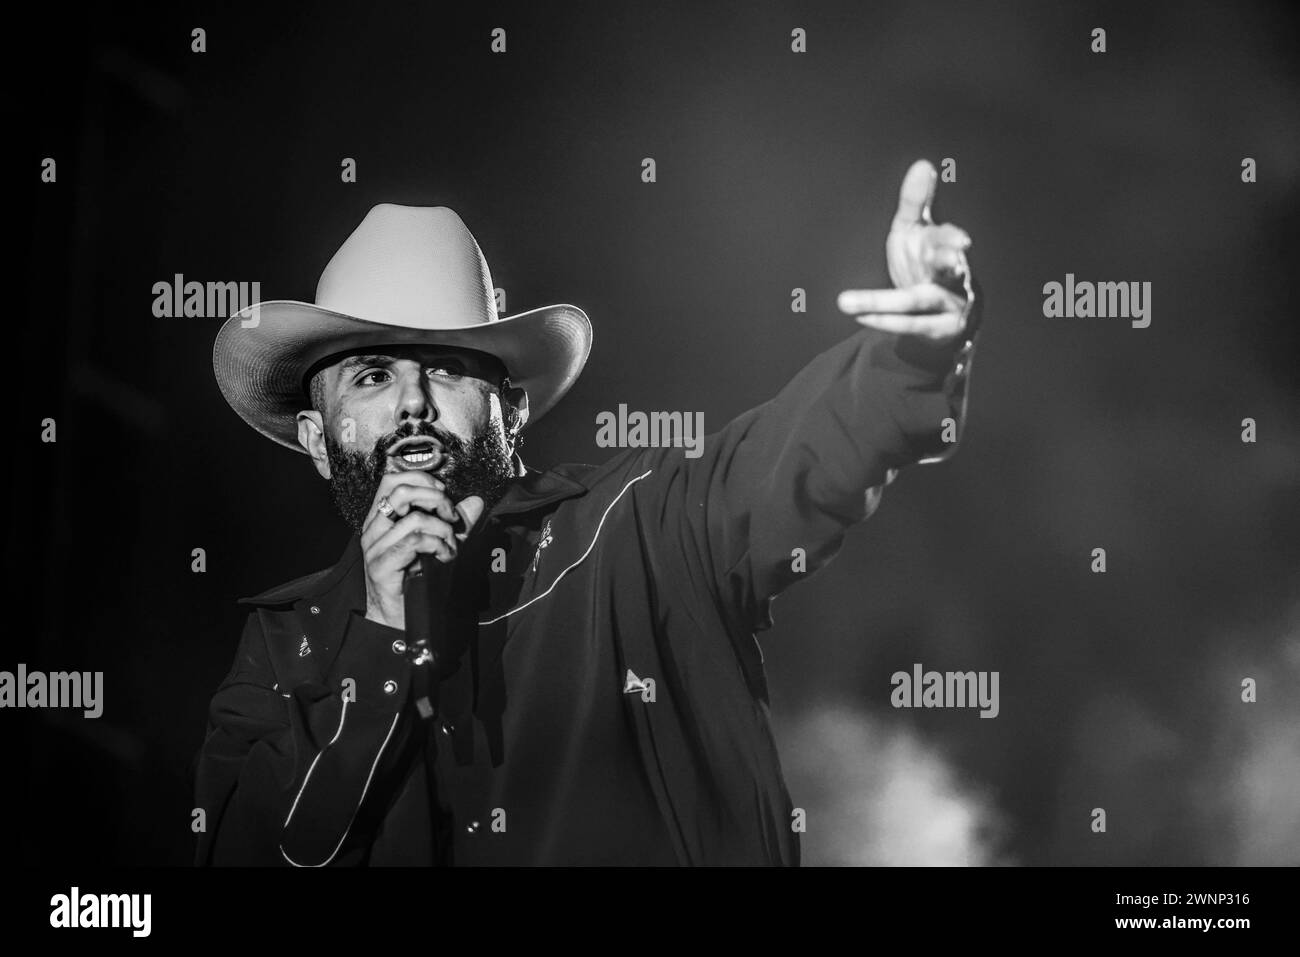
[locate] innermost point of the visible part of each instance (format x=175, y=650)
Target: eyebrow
x=353, y=363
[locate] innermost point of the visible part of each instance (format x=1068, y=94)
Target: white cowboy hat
x=407, y=275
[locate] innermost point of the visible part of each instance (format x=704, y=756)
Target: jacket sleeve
x=283, y=771
x=772, y=494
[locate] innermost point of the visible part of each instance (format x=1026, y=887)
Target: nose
x=414, y=399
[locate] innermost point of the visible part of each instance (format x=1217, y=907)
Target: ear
x=518, y=399
x=311, y=436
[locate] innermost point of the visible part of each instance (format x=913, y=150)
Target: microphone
x=427, y=598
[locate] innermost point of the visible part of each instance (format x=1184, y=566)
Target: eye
x=446, y=370
x=365, y=377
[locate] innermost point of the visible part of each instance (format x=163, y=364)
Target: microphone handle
x=426, y=591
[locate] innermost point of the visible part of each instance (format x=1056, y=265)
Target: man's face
x=430, y=408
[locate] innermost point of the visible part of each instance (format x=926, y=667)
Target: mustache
x=451, y=444
x=480, y=466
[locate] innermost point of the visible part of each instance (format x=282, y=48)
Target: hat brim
x=263, y=352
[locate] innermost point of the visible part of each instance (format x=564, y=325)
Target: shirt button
x=399, y=647
x=961, y=368
x=390, y=686
x=472, y=827
x=315, y=609
x=448, y=727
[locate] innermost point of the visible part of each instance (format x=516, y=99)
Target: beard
x=483, y=467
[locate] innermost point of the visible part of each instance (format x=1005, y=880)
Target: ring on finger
x=386, y=509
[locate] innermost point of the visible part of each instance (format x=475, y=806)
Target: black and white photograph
x=853, y=436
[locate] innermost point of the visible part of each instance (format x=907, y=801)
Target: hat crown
x=414, y=266
x=408, y=275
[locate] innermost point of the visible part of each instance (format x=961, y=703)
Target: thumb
x=471, y=510
x=916, y=195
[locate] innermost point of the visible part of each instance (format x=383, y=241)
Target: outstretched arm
x=773, y=493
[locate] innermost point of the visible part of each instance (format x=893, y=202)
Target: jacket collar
x=535, y=489
x=532, y=490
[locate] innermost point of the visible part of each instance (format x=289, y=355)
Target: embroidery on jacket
x=645, y=687
x=545, y=540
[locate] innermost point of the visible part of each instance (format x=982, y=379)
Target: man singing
x=588, y=689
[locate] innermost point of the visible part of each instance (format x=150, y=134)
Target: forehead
x=478, y=364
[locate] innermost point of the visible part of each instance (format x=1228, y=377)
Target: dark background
x=775, y=170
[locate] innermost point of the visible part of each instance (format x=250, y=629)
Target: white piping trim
x=364, y=791
x=343, y=716
x=599, y=526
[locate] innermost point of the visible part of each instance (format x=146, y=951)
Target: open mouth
x=418, y=453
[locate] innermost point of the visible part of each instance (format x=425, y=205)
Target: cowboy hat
x=407, y=275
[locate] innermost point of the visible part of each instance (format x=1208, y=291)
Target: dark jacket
x=613, y=709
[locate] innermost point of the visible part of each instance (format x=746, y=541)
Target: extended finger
x=942, y=326
x=923, y=298
x=916, y=194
